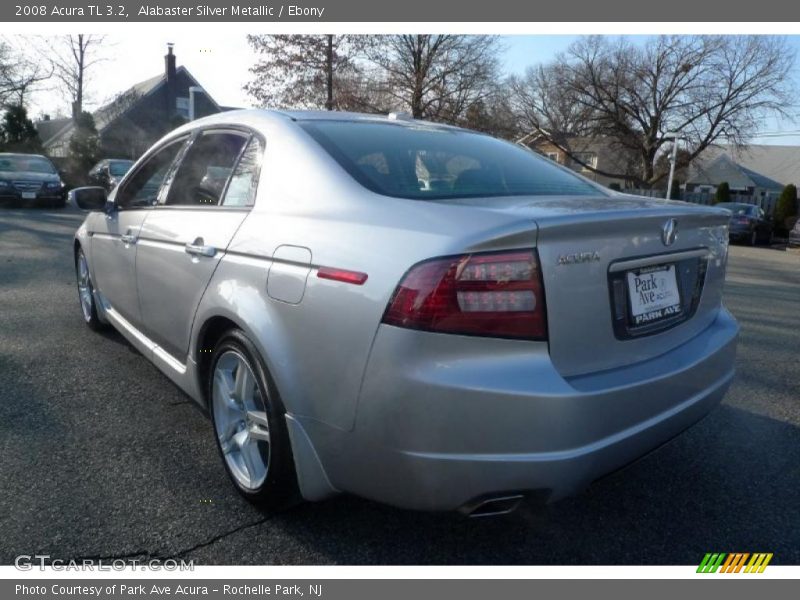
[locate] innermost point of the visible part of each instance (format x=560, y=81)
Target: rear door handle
x=198, y=248
x=128, y=238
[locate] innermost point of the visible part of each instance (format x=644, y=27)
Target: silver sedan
x=414, y=313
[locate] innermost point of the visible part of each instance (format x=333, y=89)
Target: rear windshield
x=427, y=163
x=31, y=164
x=738, y=209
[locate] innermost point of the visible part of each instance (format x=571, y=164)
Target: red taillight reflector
x=497, y=294
x=342, y=275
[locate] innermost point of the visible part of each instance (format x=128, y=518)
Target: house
x=752, y=171
x=587, y=156
x=139, y=116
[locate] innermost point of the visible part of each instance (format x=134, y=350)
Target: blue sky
x=221, y=64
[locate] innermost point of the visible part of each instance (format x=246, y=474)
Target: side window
x=204, y=171
x=244, y=181
x=142, y=189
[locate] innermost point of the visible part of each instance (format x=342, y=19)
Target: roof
x=764, y=166
x=104, y=115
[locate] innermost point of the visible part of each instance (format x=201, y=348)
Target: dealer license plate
x=654, y=294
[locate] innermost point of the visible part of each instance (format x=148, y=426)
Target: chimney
x=169, y=63
x=169, y=72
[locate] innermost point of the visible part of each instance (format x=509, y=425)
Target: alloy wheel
x=84, y=287
x=240, y=420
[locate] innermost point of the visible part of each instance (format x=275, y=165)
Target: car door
x=115, y=235
x=184, y=238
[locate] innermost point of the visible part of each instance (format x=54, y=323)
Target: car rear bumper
x=444, y=421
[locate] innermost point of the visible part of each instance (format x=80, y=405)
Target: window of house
x=552, y=156
x=586, y=160
x=244, y=181
x=142, y=189
x=204, y=171
x=182, y=107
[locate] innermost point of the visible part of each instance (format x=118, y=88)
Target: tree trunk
x=329, y=72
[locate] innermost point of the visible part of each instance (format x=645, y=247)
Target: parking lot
x=102, y=457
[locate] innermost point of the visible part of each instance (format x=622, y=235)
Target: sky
x=220, y=63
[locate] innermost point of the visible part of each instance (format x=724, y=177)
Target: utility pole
x=673, y=158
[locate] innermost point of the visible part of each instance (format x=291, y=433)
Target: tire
x=249, y=425
x=86, y=292
x=753, y=240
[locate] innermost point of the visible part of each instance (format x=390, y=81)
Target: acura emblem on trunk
x=669, y=232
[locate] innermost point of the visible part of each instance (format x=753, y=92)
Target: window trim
x=241, y=130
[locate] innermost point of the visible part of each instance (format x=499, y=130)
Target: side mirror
x=88, y=198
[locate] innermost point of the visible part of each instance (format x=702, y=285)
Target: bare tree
x=19, y=75
x=634, y=97
x=303, y=71
x=435, y=77
x=71, y=57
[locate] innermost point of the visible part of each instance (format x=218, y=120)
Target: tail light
x=741, y=220
x=498, y=294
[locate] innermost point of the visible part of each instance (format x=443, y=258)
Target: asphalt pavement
x=102, y=457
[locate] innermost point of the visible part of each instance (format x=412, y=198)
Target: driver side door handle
x=198, y=248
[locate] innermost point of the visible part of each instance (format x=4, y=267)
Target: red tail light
x=497, y=294
x=741, y=220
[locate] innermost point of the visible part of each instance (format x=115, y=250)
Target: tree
x=17, y=132
x=18, y=75
x=786, y=208
x=302, y=71
x=723, y=193
x=436, y=77
x=71, y=57
x=83, y=146
x=635, y=96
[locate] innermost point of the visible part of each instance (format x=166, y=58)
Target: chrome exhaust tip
x=494, y=507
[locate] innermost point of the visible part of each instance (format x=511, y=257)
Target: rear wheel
x=249, y=424
x=86, y=292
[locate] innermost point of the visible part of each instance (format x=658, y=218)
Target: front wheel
x=249, y=424
x=86, y=292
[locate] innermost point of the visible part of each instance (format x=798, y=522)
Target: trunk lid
x=598, y=257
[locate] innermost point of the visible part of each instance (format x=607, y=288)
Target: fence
x=767, y=203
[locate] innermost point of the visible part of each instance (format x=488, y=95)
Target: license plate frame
x=653, y=295
x=29, y=195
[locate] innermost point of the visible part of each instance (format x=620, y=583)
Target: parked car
x=794, y=234
x=29, y=180
x=749, y=223
x=109, y=172
x=351, y=328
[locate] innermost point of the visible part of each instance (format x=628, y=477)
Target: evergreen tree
x=723, y=193
x=17, y=132
x=785, y=208
x=83, y=146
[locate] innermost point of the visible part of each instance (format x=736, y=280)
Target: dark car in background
x=109, y=172
x=749, y=223
x=29, y=180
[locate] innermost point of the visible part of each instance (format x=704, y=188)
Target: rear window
x=738, y=209
x=427, y=163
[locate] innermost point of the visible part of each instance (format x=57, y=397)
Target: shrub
x=785, y=209
x=723, y=193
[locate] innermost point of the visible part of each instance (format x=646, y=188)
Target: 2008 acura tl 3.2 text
x=410, y=312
